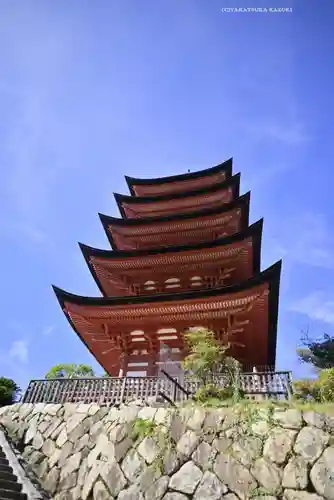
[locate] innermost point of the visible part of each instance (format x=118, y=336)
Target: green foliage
x=320, y=390
x=325, y=386
x=70, y=370
x=211, y=391
x=9, y=391
x=206, y=354
x=143, y=427
x=212, y=395
x=319, y=353
x=304, y=390
x=208, y=358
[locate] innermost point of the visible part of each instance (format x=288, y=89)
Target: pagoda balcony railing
x=117, y=390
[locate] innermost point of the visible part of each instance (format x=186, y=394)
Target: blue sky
x=91, y=91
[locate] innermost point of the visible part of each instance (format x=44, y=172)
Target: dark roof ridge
x=226, y=165
x=233, y=181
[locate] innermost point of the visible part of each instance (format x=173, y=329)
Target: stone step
x=7, y=476
x=6, y=468
x=10, y=488
x=12, y=495
x=10, y=485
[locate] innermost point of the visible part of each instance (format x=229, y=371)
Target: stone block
x=157, y=489
x=295, y=474
x=289, y=419
x=234, y=475
x=247, y=449
x=210, y=488
x=114, y=478
x=65, y=452
x=300, y=495
x=131, y=493
x=133, y=466
x=100, y=491
x=72, y=464
x=315, y=419
x=322, y=474
x=204, y=456
x=268, y=475
x=50, y=482
x=148, y=449
x=186, y=479
x=196, y=419
x=310, y=443
x=279, y=445
x=187, y=443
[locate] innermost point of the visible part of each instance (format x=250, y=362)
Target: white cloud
x=290, y=134
x=317, y=306
x=19, y=351
x=48, y=330
x=305, y=239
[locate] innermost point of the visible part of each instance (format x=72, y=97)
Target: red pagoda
x=183, y=255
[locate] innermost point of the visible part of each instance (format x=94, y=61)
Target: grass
x=327, y=408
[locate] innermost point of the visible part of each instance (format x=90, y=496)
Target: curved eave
x=233, y=182
x=270, y=276
x=241, y=202
x=226, y=166
x=254, y=231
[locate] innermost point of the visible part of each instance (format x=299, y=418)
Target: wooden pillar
x=152, y=367
x=123, y=365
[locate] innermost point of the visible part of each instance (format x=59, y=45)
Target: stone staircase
x=10, y=488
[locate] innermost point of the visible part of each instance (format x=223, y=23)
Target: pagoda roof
x=128, y=261
x=92, y=317
x=181, y=182
x=137, y=226
x=208, y=197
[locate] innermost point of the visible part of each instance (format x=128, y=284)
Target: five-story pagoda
x=183, y=255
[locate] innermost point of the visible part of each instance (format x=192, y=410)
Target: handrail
x=115, y=390
x=179, y=386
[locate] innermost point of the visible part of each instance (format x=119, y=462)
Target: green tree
x=319, y=353
x=208, y=358
x=9, y=391
x=70, y=370
x=206, y=354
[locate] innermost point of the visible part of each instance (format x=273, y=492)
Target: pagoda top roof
x=233, y=183
x=171, y=183
x=271, y=275
x=107, y=220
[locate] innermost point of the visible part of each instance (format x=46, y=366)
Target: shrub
x=143, y=427
x=305, y=390
x=212, y=394
x=324, y=386
x=9, y=391
x=208, y=358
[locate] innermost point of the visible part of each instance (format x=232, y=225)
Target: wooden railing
x=110, y=391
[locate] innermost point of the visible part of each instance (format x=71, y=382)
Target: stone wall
x=141, y=453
